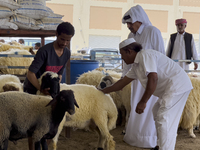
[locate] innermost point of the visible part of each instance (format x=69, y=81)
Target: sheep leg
x=123, y=113
x=104, y=135
x=5, y=145
x=37, y=145
x=60, y=128
x=101, y=142
x=44, y=144
x=30, y=143
x=191, y=133
x=127, y=117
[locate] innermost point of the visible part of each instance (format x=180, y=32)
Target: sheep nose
x=71, y=111
x=102, y=85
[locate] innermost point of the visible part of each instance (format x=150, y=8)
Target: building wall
x=102, y=18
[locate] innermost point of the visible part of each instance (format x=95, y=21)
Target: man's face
x=181, y=27
x=63, y=40
x=126, y=56
x=132, y=27
x=36, y=47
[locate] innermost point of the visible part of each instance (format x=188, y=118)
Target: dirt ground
x=82, y=140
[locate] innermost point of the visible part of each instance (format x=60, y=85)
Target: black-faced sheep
x=26, y=115
x=49, y=80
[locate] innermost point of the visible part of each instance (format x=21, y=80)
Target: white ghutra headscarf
x=136, y=13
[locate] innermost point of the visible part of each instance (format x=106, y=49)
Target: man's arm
x=33, y=79
x=151, y=86
x=120, y=84
x=60, y=76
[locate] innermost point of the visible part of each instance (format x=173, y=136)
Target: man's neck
x=56, y=47
x=181, y=32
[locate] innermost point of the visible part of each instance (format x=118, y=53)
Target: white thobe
x=170, y=89
x=179, y=52
x=141, y=130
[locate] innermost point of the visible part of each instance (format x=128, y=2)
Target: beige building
x=98, y=22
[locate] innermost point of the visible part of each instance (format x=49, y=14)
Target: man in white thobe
x=181, y=45
x=141, y=131
x=162, y=77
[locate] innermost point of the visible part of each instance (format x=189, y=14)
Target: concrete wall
x=103, y=17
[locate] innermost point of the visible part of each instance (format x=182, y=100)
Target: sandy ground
x=82, y=140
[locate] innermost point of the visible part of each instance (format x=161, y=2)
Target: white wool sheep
x=8, y=81
x=13, y=86
x=94, y=78
x=97, y=112
x=23, y=114
x=122, y=97
x=15, y=61
x=192, y=108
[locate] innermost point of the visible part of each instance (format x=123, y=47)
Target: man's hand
x=195, y=66
x=45, y=91
x=140, y=107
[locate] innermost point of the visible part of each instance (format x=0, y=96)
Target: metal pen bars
x=101, y=59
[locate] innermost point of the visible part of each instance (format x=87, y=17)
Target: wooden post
x=42, y=41
x=67, y=77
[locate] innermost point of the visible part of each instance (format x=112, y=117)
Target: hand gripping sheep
x=25, y=115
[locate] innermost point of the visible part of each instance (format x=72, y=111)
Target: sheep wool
x=192, y=107
x=15, y=61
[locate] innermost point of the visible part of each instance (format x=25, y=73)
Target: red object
x=178, y=21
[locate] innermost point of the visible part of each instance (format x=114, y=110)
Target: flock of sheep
x=79, y=105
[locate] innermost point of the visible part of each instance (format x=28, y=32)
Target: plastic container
x=78, y=67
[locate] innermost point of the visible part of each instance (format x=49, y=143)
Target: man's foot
x=155, y=148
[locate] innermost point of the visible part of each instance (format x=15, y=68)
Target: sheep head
x=50, y=80
x=12, y=86
x=105, y=81
x=65, y=100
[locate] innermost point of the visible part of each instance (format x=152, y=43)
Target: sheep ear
x=51, y=102
x=108, y=78
x=76, y=104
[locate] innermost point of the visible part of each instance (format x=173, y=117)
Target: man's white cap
x=126, y=42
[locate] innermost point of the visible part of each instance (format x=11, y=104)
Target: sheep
x=122, y=102
x=49, y=80
x=10, y=82
x=97, y=112
x=12, y=86
x=192, y=108
x=94, y=77
x=122, y=97
x=26, y=115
